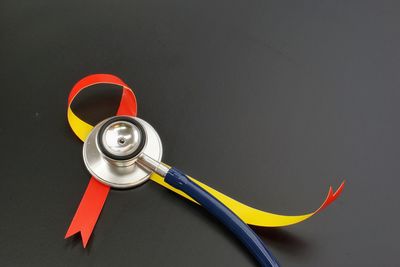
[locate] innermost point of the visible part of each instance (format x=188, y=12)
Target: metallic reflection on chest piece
x=121, y=138
x=113, y=147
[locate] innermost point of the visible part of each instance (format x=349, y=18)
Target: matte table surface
x=269, y=102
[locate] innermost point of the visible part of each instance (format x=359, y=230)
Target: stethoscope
x=123, y=151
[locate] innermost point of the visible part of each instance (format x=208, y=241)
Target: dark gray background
x=268, y=101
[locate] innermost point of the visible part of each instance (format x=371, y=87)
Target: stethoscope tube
x=240, y=229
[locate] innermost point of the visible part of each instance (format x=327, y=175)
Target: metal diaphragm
x=112, y=147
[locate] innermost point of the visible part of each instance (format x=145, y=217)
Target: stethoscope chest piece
x=111, y=150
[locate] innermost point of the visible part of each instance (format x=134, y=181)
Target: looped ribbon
x=96, y=192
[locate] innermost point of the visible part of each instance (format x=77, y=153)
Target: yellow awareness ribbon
x=248, y=214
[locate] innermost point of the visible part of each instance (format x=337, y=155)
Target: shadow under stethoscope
x=280, y=239
x=283, y=240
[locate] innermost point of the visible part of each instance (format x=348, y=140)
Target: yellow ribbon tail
x=248, y=214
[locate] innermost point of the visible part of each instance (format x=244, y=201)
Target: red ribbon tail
x=332, y=196
x=89, y=210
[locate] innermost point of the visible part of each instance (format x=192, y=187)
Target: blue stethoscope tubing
x=242, y=231
x=117, y=144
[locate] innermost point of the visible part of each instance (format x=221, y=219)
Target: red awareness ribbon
x=96, y=193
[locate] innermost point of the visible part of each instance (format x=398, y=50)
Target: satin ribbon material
x=96, y=193
x=92, y=202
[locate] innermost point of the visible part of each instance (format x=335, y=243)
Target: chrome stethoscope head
x=119, y=151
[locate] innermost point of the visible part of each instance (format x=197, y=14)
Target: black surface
x=267, y=101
